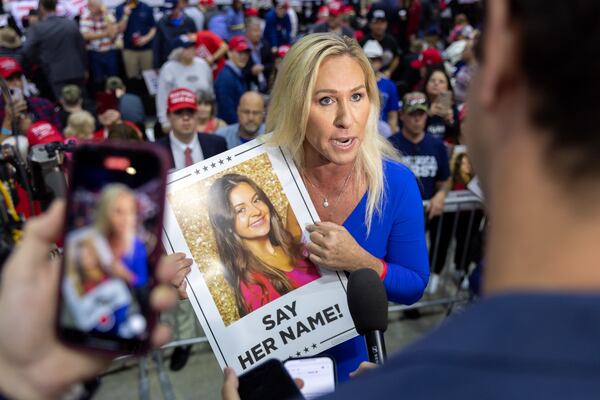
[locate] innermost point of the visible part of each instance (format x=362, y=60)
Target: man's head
x=253, y=30
x=186, y=48
x=336, y=15
x=95, y=6
x=115, y=84
x=11, y=70
x=414, y=114
x=378, y=23
x=48, y=5
x=517, y=98
x=281, y=7
x=239, y=51
x=374, y=53
x=181, y=111
x=71, y=96
x=251, y=113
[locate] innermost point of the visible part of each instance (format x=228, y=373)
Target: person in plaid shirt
x=28, y=108
x=99, y=29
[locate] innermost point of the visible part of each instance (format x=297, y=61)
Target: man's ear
x=500, y=52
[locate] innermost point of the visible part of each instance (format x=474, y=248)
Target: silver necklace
x=325, y=201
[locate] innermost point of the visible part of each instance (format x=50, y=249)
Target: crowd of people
x=534, y=333
x=199, y=79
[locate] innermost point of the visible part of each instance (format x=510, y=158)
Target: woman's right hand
x=180, y=266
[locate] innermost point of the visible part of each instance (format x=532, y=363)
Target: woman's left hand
x=333, y=247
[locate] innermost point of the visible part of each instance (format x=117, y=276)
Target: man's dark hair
x=48, y=5
x=560, y=58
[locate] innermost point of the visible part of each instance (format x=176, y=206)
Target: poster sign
x=241, y=216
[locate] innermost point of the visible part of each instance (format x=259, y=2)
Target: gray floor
x=202, y=377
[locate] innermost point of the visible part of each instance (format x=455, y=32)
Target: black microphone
x=368, y=306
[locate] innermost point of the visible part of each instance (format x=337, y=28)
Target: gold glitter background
x=191, y=212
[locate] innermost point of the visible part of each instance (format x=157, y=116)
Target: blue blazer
x=211, y=145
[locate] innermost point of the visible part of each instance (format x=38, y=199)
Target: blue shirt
x=229, y=88
x=140, y=21
x=397, y=236
x=231, y=135
x=428, y=159
x=277, y=30
x=513, y=346
x=388, y=94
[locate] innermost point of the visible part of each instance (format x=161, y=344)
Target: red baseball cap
x=335, y=8
x=283, y=50
x=42, y=132
x=429, y=56
x=251, y=12
x=239, y=43
x=180, y=99
x=207, y=2
x=9, y=66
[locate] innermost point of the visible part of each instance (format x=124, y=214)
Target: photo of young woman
x=263, y=259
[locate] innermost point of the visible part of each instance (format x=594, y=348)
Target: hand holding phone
x=317, y=373
x=268, y=381
x=36, y=364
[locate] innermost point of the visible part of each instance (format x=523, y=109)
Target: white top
x=178, y=150
x=174, y=75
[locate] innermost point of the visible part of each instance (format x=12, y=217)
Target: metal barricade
x=455, y=205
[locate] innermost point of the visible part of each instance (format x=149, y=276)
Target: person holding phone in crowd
x=442, y=121
x=263, y=257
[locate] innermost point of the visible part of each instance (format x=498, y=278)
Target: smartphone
x=115, y=203
x=318, y=373
x=268, y=381
x=445, y=100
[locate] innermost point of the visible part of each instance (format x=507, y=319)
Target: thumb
x=230, y=385
x=43, y=231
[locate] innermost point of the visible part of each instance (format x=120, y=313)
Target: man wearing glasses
x=251, y=114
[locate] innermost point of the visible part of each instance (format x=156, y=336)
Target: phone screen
x=268, y=381
x=111, y=243
x=318, y=374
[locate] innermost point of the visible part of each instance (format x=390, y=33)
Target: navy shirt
x=388, y=94
x=517, y=346
x=141, y=20
x=427, y=159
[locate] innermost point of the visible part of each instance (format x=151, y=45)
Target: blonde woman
x=80, y=126
x=324, y=109
x=116, y=221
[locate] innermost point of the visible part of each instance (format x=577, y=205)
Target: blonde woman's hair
x=108, y=196
x=81, y=125
x=290, y=106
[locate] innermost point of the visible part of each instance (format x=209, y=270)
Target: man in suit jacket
x=185, y=145
x=57, y=45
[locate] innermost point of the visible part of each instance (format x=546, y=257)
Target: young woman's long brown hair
x=239, y=262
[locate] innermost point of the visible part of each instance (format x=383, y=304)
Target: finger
x=181, y=291
x=44, y=230
x=180, y=276
x=317, y=238
x=229, y=391
x=328, y=225
x=161, y=335
x=315, y=259
x=299, y=382
x=316, y=250
x=163, y=297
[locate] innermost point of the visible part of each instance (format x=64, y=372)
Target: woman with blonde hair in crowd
x=324, y=109
x=80, y=126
